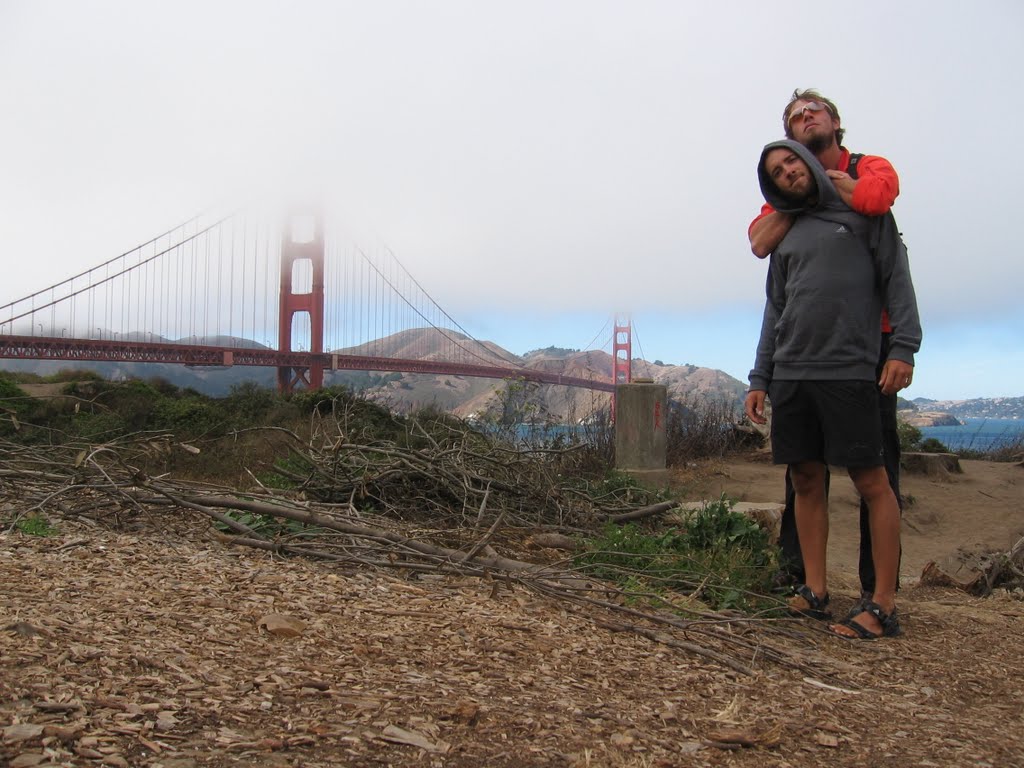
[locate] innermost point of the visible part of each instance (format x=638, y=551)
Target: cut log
x=964, y=572
x=935, y=464
x=977, y=573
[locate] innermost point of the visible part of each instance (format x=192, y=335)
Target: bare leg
x=884, y=517
x=811, y=512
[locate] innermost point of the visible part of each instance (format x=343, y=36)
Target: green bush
x=189, y=416
x=249, y=404
x=97, y=426
x=910, y=436
x=70, y=374
x=10, y=390
x=720, y=557
x=933, y=445
x=321, y=401
x=14, y=406
x=21, y=377
x=719, y=525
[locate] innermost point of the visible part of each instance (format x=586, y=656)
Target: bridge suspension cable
x=444, y=332
x=204, y=291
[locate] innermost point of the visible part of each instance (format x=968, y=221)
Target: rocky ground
x=161, y=645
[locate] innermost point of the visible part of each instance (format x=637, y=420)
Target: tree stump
x=937, y=464
x=977, y=573
x=962, y=571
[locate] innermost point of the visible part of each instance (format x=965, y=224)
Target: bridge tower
x=293, y=251
x=622, y=350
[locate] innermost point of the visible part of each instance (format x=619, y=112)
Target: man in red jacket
x=870, y=187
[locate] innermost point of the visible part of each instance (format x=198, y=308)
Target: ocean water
x=978, y=434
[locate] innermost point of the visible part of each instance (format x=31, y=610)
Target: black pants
x=789, y=541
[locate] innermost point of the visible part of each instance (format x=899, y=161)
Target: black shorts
x=834, y=422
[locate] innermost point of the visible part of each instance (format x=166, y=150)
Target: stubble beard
x=806, y=196
x=819, y=142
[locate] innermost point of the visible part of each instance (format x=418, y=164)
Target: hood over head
x=827, y=196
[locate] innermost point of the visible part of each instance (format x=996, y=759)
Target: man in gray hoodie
x=828, y=281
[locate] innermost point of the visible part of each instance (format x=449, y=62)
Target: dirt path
x=152, y=647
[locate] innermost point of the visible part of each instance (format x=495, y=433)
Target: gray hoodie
x=828, y=281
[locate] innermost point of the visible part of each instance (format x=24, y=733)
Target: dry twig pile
x=432, y=502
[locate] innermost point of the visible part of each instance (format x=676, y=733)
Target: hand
x=896, y=375
x=768, y=231
x=844, y=184
x=754, y=406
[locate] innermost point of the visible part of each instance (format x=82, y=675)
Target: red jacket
x=876, y=191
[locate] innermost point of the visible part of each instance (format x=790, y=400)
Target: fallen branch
x=639, y=514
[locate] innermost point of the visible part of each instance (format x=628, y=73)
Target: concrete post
x=641, y=440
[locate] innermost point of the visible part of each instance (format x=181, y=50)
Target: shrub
x=98, y=425
x=21, y=377
x=719, y=524
x=163, y=387
x=188, y=416
x=910, y=436
x=1011, y=449
x=933, y=445
x=248, y=404
x=14, y=404
x=72, y=374
x=699, y=427
x=517, y=413
x=133, y=401
x=720, y=556
x=9, y=390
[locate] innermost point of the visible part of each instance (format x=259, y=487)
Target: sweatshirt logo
x=842, y=230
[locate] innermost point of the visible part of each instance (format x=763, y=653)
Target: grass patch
x=35, y=525
x=720, y=557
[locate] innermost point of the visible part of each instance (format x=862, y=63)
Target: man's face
x=812, y=124
x=790, y=174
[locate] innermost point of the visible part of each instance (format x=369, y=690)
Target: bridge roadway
x=105, y=350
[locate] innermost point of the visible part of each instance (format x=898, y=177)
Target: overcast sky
x=536, y=165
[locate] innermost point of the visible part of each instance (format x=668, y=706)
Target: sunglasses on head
x=810, y=106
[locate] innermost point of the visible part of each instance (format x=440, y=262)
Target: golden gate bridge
x=236, y=290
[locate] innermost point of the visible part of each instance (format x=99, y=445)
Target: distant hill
x=470, y=397
x=432, y=344
x=976, y=408
x=210, y=380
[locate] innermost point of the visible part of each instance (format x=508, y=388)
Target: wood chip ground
x=165, y=647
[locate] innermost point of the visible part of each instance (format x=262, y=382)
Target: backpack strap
x=852, y=168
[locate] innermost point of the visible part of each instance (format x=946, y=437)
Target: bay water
x=978, y=434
